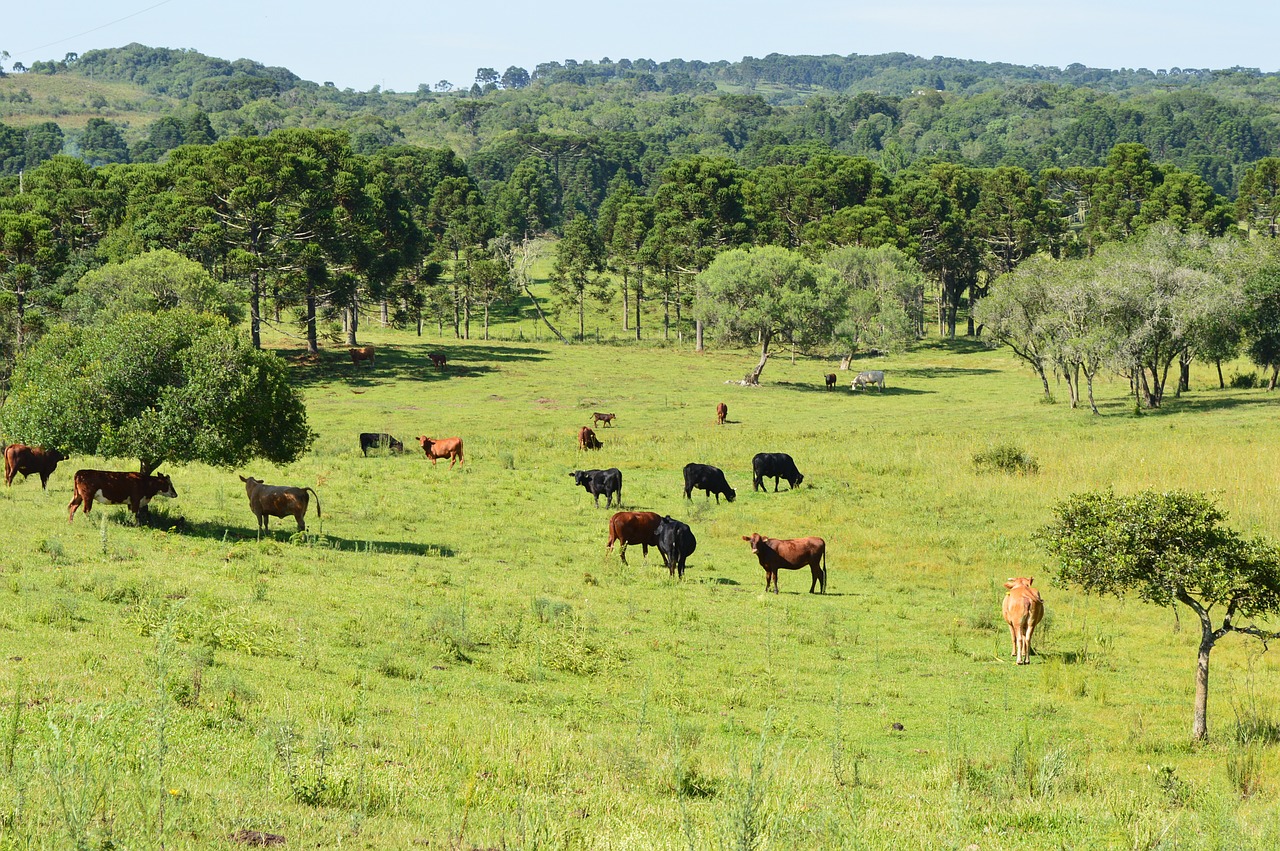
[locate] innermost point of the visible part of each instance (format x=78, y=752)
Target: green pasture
x=450, y=660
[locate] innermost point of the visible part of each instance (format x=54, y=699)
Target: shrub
x=1006, y=458
x=1244, y=381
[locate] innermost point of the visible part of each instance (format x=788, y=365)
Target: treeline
x=893, y=110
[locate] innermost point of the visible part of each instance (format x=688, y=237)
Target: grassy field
x=450, y=660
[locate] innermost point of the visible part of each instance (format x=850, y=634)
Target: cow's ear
x=1030, y=579
x=1009, y=584
x=243, y=479
x=746, y=537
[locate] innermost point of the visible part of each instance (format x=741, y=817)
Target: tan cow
x=445, y=447
x=1023, y=609
x=266, y=501
x=722, y=411
x=363, y=353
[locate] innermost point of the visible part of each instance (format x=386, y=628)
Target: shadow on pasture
x=956, y=346
x=818, y=386
x=402, y=363
x=938, y=371
x=1205, y=401
x=284, y=534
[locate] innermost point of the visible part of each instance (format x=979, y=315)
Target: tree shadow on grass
x=954, y=346
x=403, y=363
x=1174, y=405
x=844, y=390
x=312, y=538
x=940, y=371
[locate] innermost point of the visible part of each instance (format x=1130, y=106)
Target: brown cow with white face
x=445, y=447
x=20, y=458
x=267, y=501
x=1023, y=609
x=790, y=554
x=115, y=488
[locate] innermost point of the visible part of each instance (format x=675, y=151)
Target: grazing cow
x=438, y=359
x=365, y=353
x=791, y=554
x=633, y=527
x=872, y=376
x=20, y=458
x=267, y=501
x=1023, y=609
x=722, y=412
x=676, y=543
x=707, y=478
x=115, y=488
x=831, y=380
x=587, y=439
x=445, y=447
x=607, y=482
x=775, y=465
x=378, y=440
x=607, y=419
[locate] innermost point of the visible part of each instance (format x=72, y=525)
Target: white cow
x=871, y=376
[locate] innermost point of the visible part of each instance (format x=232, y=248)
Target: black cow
x=676, y=543
x=377, y=440
x=707, y=478
x=774, y=465
x=597, y=482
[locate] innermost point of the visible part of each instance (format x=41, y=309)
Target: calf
x=870, y=377
x=266, y=501
x=438, y=359
x=709, y=479
x=633, y=527
x=362, y=354
x=791, y=554
x=831, y=380
x=20, y=458
x=676, y=543
x=587, y=439
x=116, y=488
x=597, y=482
x=607, y=419
x=378, y=440
x=775, y=465
x=445, y=447
x=722, y=412
x=1023, y=608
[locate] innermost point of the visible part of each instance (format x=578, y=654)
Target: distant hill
x=893, y=108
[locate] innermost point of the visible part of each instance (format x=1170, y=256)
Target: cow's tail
x=824, y=565
x=317, y=496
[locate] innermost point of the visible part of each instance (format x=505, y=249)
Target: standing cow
x=872, y=377
x=364, y=353
x=676, y=543
x=607, y=419
x=722, y=412
x=116, y=488
x=707, y=478
x=597, y=482
x=438, y=360
x=266, y=501
x=633, y=527
x=790, y=554
x=774, y=465
x=20, y=458
x=378, y=440
x=1023, y=609
x=445, y=447
x=831, y=380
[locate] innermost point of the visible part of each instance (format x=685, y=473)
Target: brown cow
x=266, y=501
x=791, y=554
x=438, y=359
x=633, y=527
x=587, y=439
x=445, y=447
x=365, y=353
x=607, y=419
x=831, y=380
x=20, y=458
x=1023, y=608
x=116, y=488
x=722, y=411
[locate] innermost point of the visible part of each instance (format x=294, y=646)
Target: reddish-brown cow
x=445, y=447
x=116, y=488
x=633, y=527
x=790, y=554
x=722, y=411
x=267, y=501
x=364, y=353
x=20, y=458
x=1023, y=608
x=587, y=439
x=438, y=360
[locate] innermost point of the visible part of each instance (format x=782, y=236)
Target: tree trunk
x=1275, y=373
x=486, y=320
x=1184, y=373
x=542, y=316
x=1222, y=385
x=639, y=293
x=697, y=346
x=1044, y=380
x=1200, y=719
x=626, y=304
x=353, y=322
x=386, y=319
x=666, y=317
x=255, y=304
x=313, y=341
x=1088, y=377
x=753, y=377
x=20, y=336
x=582, y=314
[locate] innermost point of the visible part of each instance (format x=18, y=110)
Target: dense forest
x=317, y=206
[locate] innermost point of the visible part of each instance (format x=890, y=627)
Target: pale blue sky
x=399, y=45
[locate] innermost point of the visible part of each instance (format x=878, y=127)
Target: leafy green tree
x=1168, y=548
x=151, y=283
x=578, y=263
x=175, y=389
x=1258, y=202
x=29, y=258
x=515, y=78
x=1262, y=321
x=102, y=142
x=43, y=141
x=886, y=293
x=525, y=205
x=768, y=293
x=1016, y=314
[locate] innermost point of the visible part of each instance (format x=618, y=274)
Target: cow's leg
x=775, y=484
x=73, y=505
x=622, y=552
x=302, y=524
x=1013, y=639
x=44, y=481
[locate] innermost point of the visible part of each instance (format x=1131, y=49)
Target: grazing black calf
x=597, y=482
x=707, y=478
x=774, y=465
x=377, y=440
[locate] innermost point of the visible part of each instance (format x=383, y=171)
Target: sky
x=398, y=45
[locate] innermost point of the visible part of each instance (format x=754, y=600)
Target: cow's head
x=755, y=539
x=166, y=486
x=395, y=445
x=798, y=480
x=730, y=494
x=425, y=442
x=579, y=477
x=1019, y=582
x=250, y=483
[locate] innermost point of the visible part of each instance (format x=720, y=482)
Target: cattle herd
x=1022, y=608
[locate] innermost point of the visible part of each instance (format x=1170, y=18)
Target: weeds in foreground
x=1006, y=458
